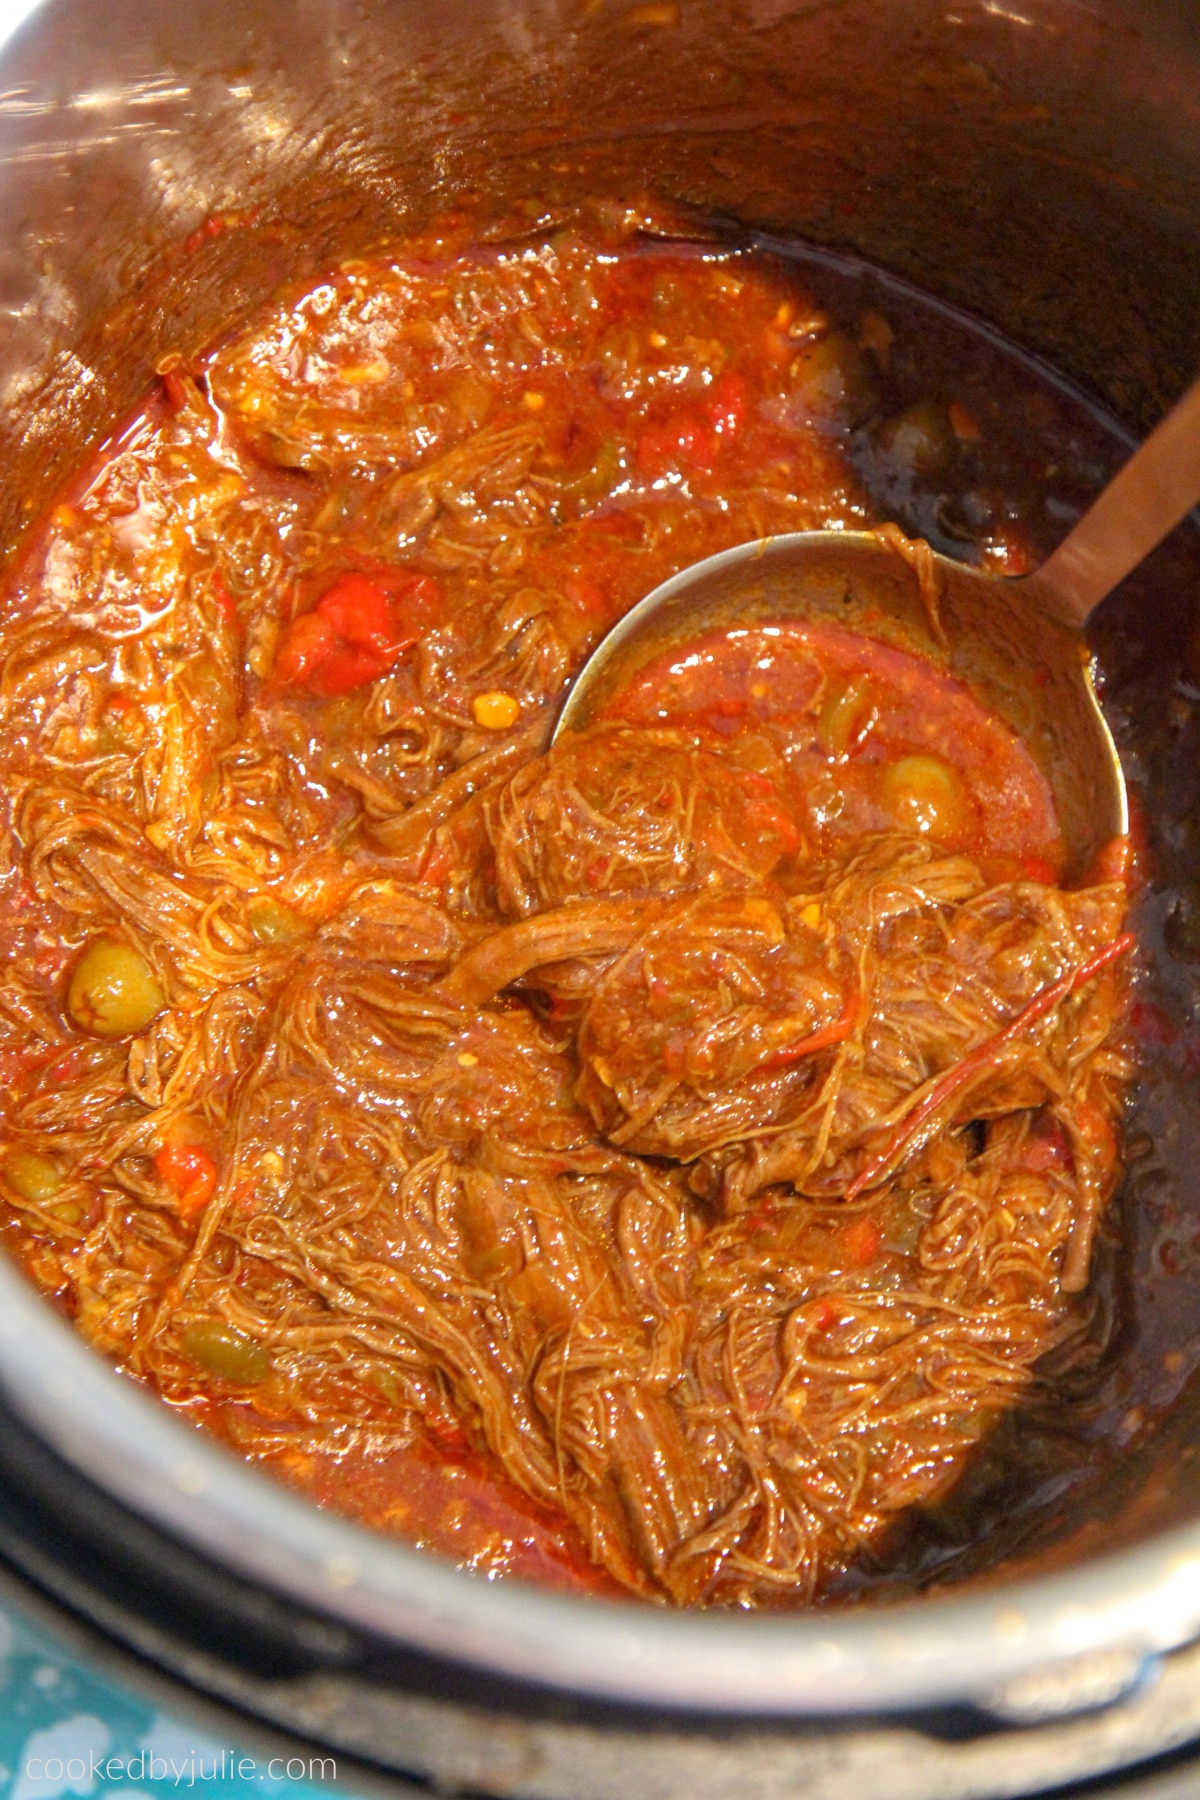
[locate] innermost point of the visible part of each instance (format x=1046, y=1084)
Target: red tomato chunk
x=358, y=630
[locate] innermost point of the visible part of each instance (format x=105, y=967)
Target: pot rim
x=1136, y=1603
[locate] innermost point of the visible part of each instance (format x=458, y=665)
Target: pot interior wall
x=1034, y=160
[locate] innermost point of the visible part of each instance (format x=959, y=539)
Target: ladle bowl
x=1029, y=669
x=1016, y=641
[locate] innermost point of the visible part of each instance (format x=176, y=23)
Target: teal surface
x=67, y=1729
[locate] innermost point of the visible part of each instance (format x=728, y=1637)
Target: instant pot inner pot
x=1035, y=161
x=1037, y=164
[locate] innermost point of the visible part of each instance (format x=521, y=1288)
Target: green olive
x=923, y=793
x=920, y=440
x=31, y=1176
x=831, y=379
x=273, y=923
x=113, y=992
x=225, y=1352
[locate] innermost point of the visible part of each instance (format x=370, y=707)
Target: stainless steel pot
x=1036, y=160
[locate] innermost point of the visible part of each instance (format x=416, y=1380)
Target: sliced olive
x=33, y=1177
x=845, y=714
x=113, y=991
x=597, y=482
x=225, y=1352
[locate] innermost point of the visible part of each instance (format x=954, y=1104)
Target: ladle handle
x=1140, y=505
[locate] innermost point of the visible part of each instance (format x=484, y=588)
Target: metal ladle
x=1015, y=640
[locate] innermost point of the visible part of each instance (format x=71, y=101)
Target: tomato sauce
x=446, y=1501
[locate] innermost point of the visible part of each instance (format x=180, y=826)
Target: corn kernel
x=495, y=711
x=466, y=1060
x=811, y=915
x=534, y=402
x=657, y=341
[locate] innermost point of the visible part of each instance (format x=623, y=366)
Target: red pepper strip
x=225, y=603
x=962, y=1072
x=860, y=1241
x=833, y=1033
x=825, y=1312
x=174, y=389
